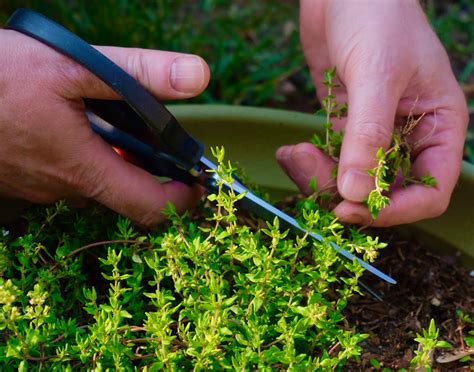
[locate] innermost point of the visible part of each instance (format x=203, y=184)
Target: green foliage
x=383, y=175
x=466, y=328
x=86, y=289
x=330, y=109
x=453, y=22
x=428, y=180
x=376, y=201
x=250, y=46
x=428, y=342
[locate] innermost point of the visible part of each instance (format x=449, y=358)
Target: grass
x=251, y=46
x=452, y=21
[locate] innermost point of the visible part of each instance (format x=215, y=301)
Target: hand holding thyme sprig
x=395, y=161
x=391, y=163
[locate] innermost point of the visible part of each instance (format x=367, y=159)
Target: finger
x=127, y=189
x=441, y=161
x=373, y=101
x=400, y=211
x=167, y=75
x=304, y=161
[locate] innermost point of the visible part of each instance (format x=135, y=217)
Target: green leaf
x=469, y=341
x=313, y=182
x=23, y=367
x=444, y=344
x=257, y=303
x=225, y=331
x=212, y=197
x=125, y=314
x=136, y=258
x=14, y=348
x=380, y=154
x=241, y=340
x=63, y=250
x=429, y=180
x=375, y=363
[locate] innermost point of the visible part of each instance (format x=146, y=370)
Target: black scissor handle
x=153, y=161
x=157, y=126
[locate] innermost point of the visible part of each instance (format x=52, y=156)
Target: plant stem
x=96, y=244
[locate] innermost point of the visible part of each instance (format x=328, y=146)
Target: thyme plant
x=427, y=343
x=330, y=109
x=85, y=289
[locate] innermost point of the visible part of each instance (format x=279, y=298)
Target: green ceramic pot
x=252, y=135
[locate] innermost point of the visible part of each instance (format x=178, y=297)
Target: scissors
x=142, y=126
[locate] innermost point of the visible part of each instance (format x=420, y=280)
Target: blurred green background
x=252, y=47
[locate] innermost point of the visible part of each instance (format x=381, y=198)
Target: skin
x=389, y=62
x=48, y=150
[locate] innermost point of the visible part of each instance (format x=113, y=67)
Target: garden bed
x=430, y=286
x=63, y=254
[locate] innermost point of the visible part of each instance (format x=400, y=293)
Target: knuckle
x=69, y=72
x=460, y=108
x=136, y=66
x=87, y=181
x=464, y=112
x=390, y=68
x=304, y=147
x=151, y=218
x=372, y=134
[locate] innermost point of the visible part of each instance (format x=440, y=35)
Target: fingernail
x=187, y=74
x=304, y=164
x=356, y=185
x=281, y=152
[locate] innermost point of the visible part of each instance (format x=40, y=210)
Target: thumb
x=303, y=162
x=372, y=102
x=126, y=188
x=166, y=75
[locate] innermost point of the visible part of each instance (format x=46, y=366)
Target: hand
x=389, y=62
x=49, y=151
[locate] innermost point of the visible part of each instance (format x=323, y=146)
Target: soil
x=430, y=286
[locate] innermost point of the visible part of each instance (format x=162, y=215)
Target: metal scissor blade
x=268, y=212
